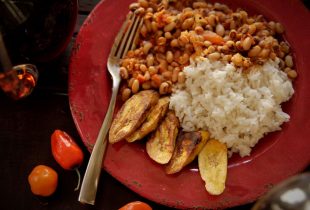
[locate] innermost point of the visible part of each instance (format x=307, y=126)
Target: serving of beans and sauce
x=173, y=32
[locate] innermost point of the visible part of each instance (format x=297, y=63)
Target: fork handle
x=90, y=182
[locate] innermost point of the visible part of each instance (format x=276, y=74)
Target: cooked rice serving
x=236, y=108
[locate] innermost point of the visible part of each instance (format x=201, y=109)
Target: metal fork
x=124, y=41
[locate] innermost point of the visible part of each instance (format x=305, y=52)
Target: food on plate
x=66, y=152
x=132, y=114
x=175, y=32
x=136, y=205
x=237, y=109
x=225, y=72
x=212, y=163
x=188, y=146
x=152, y=120
x=43, y=180
x=161, y=143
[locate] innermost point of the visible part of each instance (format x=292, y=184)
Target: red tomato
x=65, y=151
x=136, y=205
x=43, y=180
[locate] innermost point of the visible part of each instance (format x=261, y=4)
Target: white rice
x=237, y=109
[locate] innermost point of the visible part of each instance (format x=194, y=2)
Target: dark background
x=25, y=130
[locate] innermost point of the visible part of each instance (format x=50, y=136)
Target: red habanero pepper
x=66, y=152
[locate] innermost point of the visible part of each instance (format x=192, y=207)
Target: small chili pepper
x=43, y=180
x=136, y=205
x=66, y=152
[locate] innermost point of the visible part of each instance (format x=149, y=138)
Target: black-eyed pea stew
x=173, y=32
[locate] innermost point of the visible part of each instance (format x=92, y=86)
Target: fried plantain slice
x=152, y=120
x=188, y=145
x=161, y=143
x=132, y=114
x=212, y=163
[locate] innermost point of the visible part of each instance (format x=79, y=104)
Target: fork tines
x=127, y=36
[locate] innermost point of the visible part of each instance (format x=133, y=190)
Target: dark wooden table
x=25, y=130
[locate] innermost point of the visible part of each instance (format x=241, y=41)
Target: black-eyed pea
x=237, y=59
x=135, y=86
x=181, y=77
x=174, y=43
x=143, y=68
x=147, y=75
x=163, y=88
x=143, y=30
x=146, y=47
x=161, y=41
x=252, y=29
x=211, y=49
x=199, y=30
x=174, y=64
x=168, y=35
x=259, y=25
x=183, y=39
x=170, y=26
x=254, y=51
x=139, y=11
x=214, y=56
x=183, y=59
x=246, y=43
x=188, y=23
x=227, y=58
x=200, y=4
x=134, y=6
x=126, y=92
x=167, y=75
x=150, y=60
x=169, y=56
x=279, y=28
x=175, y=73
x=264, y=53
x=219, y=29
x=170, y=68
x=289, y=61
x=284, y=47
x=123, y=72
x=292, y=74
x=143, y=3
x=273, y=55
x=207, y=43
x=130, y=82
x=212, y=20
x=153, y=70
x=230, y=44
x=146, y=85
x=154, y=26
x=286, y=69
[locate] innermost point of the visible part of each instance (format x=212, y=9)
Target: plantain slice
x=161, y=143
x=212, y=163
x=188, y=145
x=132, y=114
x=150, y=124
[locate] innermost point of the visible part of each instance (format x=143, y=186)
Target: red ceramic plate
x=277, y=156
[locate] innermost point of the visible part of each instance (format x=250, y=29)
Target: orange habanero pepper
x=136, y=205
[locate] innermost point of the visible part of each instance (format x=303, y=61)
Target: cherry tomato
x=136, y=205
x=43, y=180
x=65, y=151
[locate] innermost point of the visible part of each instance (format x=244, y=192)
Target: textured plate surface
x=277, y=156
